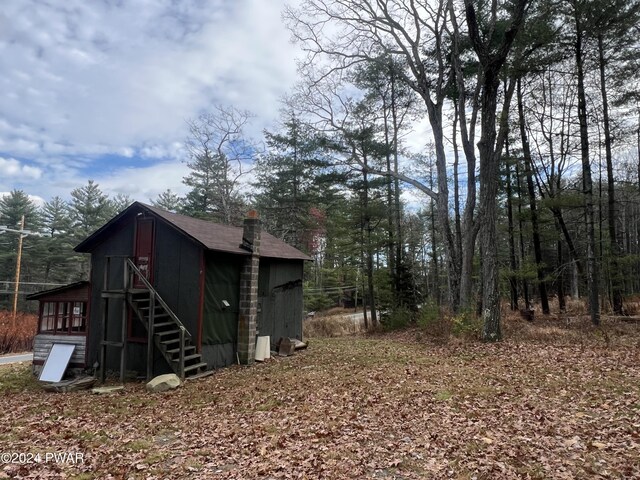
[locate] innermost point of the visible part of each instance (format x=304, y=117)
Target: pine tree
x=13, y=206
x=168, y=201
x=90, y=209
x=290, y=181
x=219, y=157
x=120, y=202
x=55, y=251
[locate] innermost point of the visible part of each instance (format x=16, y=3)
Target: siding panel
x=42, y=344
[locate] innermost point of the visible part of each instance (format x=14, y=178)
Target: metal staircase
x=164, y=329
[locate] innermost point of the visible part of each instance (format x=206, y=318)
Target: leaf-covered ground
x=352, y=407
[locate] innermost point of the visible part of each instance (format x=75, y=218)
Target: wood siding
x=280, y=300
x=42, y=344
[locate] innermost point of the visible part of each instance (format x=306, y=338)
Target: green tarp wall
x=220, y=324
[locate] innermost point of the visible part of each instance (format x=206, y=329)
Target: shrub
x=396, y=319
x=429, y=316
x=19, y=338
x=466, y=323
x=317, y=301
x=441, y=325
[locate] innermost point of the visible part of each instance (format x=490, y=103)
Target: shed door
x=144, y=250
x=287, y=314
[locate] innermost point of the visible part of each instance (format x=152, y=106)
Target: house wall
x=118, y=243
x=42, y=344
x=220, y=323
x=280, y=300
x=176, y=276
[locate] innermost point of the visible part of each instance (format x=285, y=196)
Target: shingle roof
x=54, y=291
x=213, y=236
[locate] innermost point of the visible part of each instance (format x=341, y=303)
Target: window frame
x=63, y=320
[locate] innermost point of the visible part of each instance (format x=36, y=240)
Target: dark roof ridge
x=211, y=235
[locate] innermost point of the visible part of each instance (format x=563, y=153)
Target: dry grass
x=571, y=328
x=19, y=338
x=335, y=322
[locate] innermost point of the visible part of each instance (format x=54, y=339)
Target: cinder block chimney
x=248, y=311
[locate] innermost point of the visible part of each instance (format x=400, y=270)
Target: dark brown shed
x=221, y=285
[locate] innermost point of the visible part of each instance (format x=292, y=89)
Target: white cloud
x=12, y=168
x=85, y=79
x=145, y=183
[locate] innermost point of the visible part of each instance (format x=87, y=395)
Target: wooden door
x=144, y=250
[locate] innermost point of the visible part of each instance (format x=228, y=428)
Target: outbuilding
x=171, y=293
x=62, y=318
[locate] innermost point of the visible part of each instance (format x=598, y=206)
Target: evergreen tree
x=55, y=251
x=168, y=201
x=219, y=157
x=120, y=202
x=90, y=209
x=291, y=181
x=13, y=206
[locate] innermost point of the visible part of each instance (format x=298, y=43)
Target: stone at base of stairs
x=162, y=383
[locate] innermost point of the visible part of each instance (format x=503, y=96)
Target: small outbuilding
x=171, y=293
x=62, y=318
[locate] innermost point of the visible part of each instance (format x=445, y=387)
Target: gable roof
x=212, y=236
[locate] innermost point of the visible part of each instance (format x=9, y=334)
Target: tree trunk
x=614, y=240
x=391, y=247
x=575, y=280
x=525, y=285
x=537, y=249
x=434, y=255
x=456, y=183
x=512, y=248
x=562, y=307
x=587, y=183
x=442, y=207
x=368, y=246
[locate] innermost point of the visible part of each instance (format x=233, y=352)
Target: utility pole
x=22, y=233
x=17, y=283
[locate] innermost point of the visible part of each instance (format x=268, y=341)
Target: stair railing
x=133, y=270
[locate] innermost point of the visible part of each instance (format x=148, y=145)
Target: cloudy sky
x=101, y=89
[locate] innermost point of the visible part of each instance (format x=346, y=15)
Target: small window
x=79, y=317
x=64, y=318
x=48, y=321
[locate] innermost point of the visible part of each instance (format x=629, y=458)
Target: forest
x=439, y=155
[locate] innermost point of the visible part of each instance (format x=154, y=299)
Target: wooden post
x=182, y=329
x=103, y=346
x=17, y=283
x=150, y=332
x=123, y=350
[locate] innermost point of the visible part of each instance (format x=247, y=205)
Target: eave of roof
x=56, y=290
x=212, y=236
